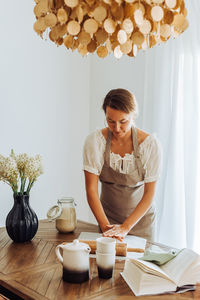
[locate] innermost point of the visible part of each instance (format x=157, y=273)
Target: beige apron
x=120, y=193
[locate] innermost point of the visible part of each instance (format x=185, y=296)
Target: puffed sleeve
x=93, y=153
x=151, y=157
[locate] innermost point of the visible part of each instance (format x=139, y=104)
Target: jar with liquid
x=64, y=213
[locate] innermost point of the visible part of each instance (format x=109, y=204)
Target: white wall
x=44, y=108
x=111, y=73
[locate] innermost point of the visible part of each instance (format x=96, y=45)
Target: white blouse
x=149, y=151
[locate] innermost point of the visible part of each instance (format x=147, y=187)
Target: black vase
x=22, y=221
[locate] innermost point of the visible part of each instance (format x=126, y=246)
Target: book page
x=150, y=268
x=192, y=275
x=180, y=265
x=143, y=283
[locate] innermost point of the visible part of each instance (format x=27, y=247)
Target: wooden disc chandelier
x=105, y=26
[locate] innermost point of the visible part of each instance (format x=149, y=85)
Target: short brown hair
x=120, y=99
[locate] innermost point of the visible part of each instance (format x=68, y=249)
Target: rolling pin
x=121, y=248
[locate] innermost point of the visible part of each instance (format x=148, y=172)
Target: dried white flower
x=22, y=160
x=33, y=168
x=20, y=168
x=8, y=171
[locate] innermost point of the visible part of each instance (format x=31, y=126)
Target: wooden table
x=32, y=271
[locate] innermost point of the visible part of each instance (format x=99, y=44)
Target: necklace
x=117, y=143
x=121, y=144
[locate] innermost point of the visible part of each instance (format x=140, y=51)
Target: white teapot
x=75, y=261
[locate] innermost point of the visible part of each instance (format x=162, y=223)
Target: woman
x=126, y=160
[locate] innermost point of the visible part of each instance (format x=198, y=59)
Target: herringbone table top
x=32, y=271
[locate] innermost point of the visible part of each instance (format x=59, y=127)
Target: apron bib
x=120, y=193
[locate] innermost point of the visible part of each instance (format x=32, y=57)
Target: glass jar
x=65, y=214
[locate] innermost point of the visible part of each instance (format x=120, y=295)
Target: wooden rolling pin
x=121, y=248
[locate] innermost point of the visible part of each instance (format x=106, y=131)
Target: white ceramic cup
x=105, y=264
x=105, y=245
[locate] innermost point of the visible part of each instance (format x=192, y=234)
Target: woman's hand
x=116, y=231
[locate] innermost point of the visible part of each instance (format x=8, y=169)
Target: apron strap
x=107, y=150
x=136, y=152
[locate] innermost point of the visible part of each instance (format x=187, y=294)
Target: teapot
x=75, y=261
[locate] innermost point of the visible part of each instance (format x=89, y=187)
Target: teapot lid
x=76, y=246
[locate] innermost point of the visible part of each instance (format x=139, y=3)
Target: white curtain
x=171, y=107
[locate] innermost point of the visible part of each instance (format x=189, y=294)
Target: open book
x=179, y=274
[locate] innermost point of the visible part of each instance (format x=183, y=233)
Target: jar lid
x=66, y=200
x=76, y=246
x=54, y=212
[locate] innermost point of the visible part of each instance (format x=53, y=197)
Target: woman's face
x=118, y=121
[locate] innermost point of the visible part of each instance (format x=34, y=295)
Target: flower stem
x=30, y=186
x=23, y=185
x=23, y=181
x=12, y=185
x=15, y=188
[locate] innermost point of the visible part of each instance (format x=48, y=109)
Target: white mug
x=105, y=264
x=105, y=245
